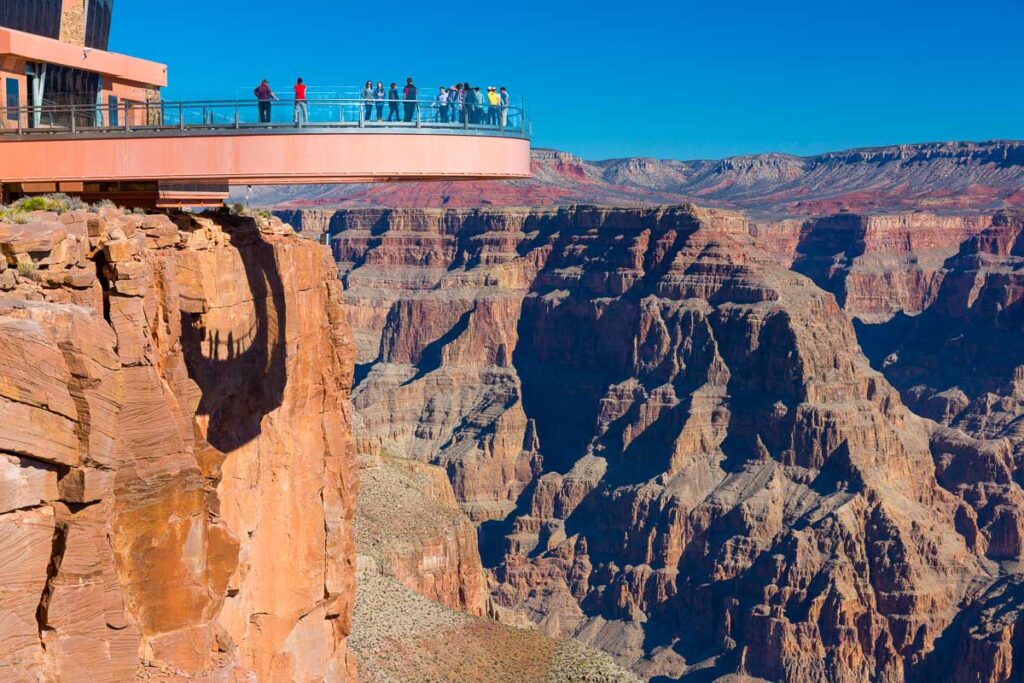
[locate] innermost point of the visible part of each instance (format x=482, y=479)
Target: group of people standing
x=460, y=103
x=463, y=103
x=375, y=97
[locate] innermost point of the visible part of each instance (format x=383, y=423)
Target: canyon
x=663, y=425
x=659, y=441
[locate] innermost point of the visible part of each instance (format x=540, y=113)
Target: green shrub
x=29, y=270
x=58, y=202
x=104, y=204
x=31, y=204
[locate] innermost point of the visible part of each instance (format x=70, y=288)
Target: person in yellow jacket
x=493, y=106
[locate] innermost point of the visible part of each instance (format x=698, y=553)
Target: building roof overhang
x=35, y=48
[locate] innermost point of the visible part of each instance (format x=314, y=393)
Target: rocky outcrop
x=672, y=443
x=399, y=636
x=178, y=480
x=422, y=595
x=408, y=520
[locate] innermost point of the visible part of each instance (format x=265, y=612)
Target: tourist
x=378, y=100
x=264, y=95
x=454, y=104
x=410, y=100
x=368, y=101
x=478, y=105
x=301, y=112
x=503, y=95
x=393, y=103
x=442, y=105
x=493, y=105
x=468, y=104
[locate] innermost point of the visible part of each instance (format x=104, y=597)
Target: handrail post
x=74, y=122
x=361, y=116
x=237, y=122
x=127, y=123
x=419, y=115
x=181, y=116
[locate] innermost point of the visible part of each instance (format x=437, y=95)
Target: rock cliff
x=672, y=443
x=875, y=265
x=177, y=475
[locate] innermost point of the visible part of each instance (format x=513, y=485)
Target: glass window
x=97, y=26
x=112, y=110
x=41, y=17
x=13, y=99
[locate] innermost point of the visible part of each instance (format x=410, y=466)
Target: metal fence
x=226, y=115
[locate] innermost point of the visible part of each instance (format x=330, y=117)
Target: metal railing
x=227, y=115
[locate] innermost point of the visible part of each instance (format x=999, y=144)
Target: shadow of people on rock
x=244, y=381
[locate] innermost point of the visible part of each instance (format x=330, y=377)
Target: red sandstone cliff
x=177, y=480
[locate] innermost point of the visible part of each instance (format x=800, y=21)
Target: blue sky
x=609, y=79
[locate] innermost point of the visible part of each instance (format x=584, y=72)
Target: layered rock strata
x=673, y=444
x=177, y=479
x=875, y=265
x=959, y=362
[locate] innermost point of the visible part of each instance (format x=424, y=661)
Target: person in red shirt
x=301, y=112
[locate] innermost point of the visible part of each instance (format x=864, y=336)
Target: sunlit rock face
x=672, y=443
x=177, y=480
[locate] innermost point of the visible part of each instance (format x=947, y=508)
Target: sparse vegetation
x=238, y=209
x=58, y=203
x=29, y=270
x=104, y=204
x=12, y=215
x=31, y=204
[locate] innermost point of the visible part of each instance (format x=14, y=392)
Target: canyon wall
x=875, y=265
x=672, y=443
x=178, y=476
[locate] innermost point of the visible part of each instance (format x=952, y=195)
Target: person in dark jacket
x=469, y=104
x=378, y=100
x=264, y=95
x=393, y=103
x=410, y=100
